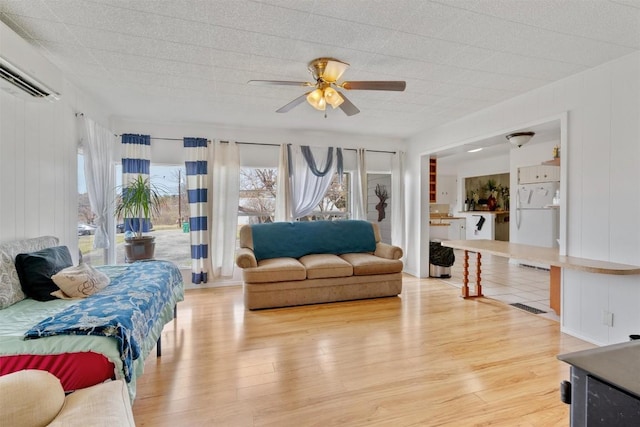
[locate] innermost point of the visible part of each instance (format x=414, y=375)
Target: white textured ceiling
x=190, y=60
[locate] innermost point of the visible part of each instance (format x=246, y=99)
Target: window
x=336, y=203
x=257, y=195
x=172, y=237
x=86, y=217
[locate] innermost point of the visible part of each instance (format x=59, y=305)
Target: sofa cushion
x=321, y=266
x=10, y=288
x=36, y=268
x=30, y=398
x=106, y=404
x=275, y=270
x=366, y=264
x=297, y=239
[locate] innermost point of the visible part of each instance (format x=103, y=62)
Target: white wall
x=603, y=195
x=38, y=165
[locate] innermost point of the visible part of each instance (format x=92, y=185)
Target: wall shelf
x=432, y=179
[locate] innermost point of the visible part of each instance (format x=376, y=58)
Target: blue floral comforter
x=126, y=310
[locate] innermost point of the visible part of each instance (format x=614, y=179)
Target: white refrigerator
x=537, y=219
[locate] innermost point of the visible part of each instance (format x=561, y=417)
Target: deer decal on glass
x=381, y=192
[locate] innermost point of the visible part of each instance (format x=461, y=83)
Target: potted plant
x=492, y=200
x=138, y=203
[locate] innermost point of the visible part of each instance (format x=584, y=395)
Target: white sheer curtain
x=283, y=189
x=397, y=202
x=360, y=187
x=98, y=148
x=225, y=185
x=310, y=179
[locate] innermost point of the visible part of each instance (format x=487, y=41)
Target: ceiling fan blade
x=279, y=83
x=347, y=106
x=375, y=85
x=299, y=100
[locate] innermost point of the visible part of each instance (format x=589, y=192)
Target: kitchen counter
x=442, y=219
x=547, y=256
x=485, y=212
x=539, y=254
x=475, y=229
x=442, y=227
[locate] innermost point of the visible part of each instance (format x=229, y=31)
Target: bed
x=86, y=341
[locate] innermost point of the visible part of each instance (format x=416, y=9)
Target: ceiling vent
x=23, y=71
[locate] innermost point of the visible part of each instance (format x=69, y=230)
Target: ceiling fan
x=326, y=72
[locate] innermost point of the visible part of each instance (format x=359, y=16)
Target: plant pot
x=138, y=248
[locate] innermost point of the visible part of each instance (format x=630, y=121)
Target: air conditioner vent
x=24, y=72
x=16, y=79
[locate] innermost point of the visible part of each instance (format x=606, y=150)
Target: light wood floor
x=428, y=358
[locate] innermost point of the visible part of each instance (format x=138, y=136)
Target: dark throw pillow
x=36, y=268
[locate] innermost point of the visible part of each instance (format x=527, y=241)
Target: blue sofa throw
x=297, y=239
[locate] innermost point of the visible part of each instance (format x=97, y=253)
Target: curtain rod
x=277, y=145
x=248, y=143
x=254, y=143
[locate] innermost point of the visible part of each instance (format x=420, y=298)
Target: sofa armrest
x=385, y=250
x=245, y=258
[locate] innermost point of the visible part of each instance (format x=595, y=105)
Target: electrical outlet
x=607, y=318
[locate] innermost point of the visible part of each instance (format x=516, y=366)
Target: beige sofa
x=36, y=398
x=296, y=263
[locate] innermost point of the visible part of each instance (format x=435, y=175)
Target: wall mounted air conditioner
x=23, y=71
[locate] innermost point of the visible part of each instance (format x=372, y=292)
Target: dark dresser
x=605, y=386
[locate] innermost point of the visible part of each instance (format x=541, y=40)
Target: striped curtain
x=196, y=152
x=136, y=160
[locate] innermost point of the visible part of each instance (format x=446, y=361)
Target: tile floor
x=506, y=282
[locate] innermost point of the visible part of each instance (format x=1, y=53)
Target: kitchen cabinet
x=457, y=229
x=439, y=232
x=446, y=190
x=502, y=226
x=538, y=173
x=447, y=228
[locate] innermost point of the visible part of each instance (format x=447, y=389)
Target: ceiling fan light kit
x=332, y=97
x=520, y=138
x=316, y=99
x=326, y=72
x=320, y=97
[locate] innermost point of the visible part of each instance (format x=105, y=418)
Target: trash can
x=441, y=258
x=185, y=227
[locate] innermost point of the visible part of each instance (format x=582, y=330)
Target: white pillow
x=79, y=282
x=10, y=289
